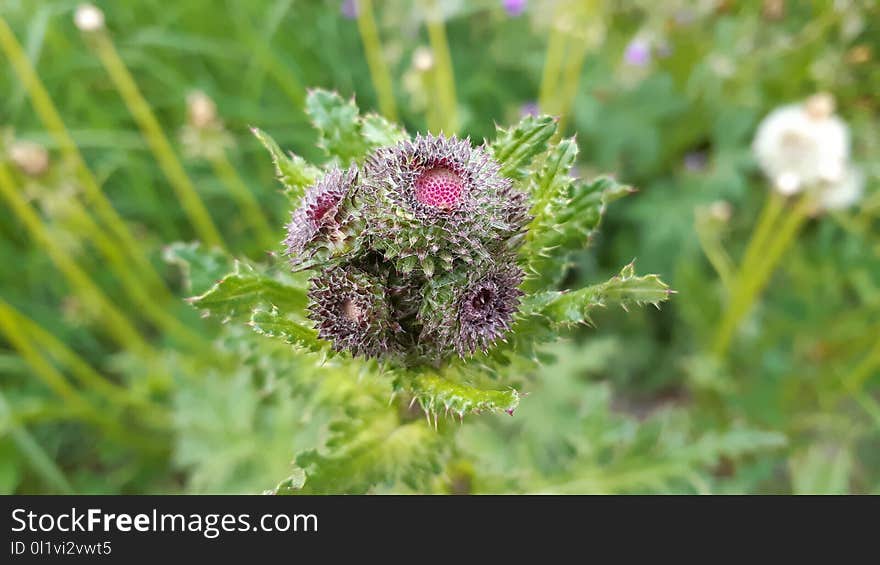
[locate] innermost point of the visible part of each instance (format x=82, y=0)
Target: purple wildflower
x=514, y=8
x=638, y=53
x=529, y=109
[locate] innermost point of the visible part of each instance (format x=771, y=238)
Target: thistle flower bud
x=319, y=222
x=467, y=313
x=349, y=309
x=436, y=201
x=31, y=158
x=88, y=18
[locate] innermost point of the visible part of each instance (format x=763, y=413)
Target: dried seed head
x=201, y=110
x=319, y=220
x=31, y=158
x=88, y=18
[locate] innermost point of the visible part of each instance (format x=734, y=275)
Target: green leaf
x=292, y=170
x=272, y=323
x=515, y=147
x=440, y=395
x=379, y=132
x=377, y=450
x=201, y=268
x=574, y=307
x=339, y=125
x=243, y=290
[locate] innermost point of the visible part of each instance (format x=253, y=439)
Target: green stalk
x=549, y=90
x=766, y=222
x=151, y=130
x=444, y=82
x=571, y=80
x=84, y=373
x=379, y=73
x=118, y=326
x=38, y=459
x=54, y=380
x=245, y=199
x=52, y=121
x=751, y=282
x=148, y=300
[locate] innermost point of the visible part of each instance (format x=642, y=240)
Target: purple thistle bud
x=349, y=9
x=319, y=219
x=350, y=310
x=638, y=53
x=514, y=8
x=486, y=309
x=433, y=200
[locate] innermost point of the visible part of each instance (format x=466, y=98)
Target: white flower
x=201, y=109
x=800, y=145
x=88, y=18
x=844, y=193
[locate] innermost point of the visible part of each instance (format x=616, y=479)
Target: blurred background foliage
x=665, y=95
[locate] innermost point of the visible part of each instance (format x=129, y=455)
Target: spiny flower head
x=468, y=313
x=318, y=223
x=437, y=201
x=350, y=309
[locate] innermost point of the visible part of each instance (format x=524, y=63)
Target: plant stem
x=118, y=326
x=169, y=163
x=84, y=373
x=54, y=380
x=757, y=244
x=379, y=73
x=244, y=198
x=444, y=82
x=750, y=282
x=51, y=119
x=552, y=67
x=39, y=460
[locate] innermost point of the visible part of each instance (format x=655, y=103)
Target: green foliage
x=640, y=405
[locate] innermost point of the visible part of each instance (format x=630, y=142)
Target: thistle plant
x=429, y=258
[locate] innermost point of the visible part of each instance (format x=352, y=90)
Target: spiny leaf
x=292, y=170
x=573, y=307
x=515, y=147
x=272, y=323
x=239, y=292
x=376, y=450
x=201, y=268
x=339, y=125
x=439, y=395
x=379, y=132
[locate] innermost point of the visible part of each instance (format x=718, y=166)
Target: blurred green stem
x=753, y=278
x=54, y=124
x=713, y=249
x=444, y=78
x=55, y=381
x=245, y=199
x=85, y=374
x=38, y=459
x=118, y=326
x=375, y=59
x=169, y=163
x=552, y=67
